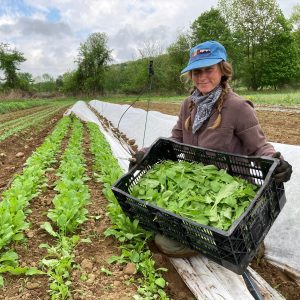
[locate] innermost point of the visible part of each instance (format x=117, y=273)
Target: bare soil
x=282, y=127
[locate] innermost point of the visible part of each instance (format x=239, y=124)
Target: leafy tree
x=93, y=57
x=295, y=17
x=9, y=62
x=71, y=83
x=133, y=77
x=162, y=68
x=59, y=82
x=295, y=20
x=25, y=81
x=212, y=25
x=113, y=78
x=152, y=53
x=45, y=83
x=278, y=48
x=178, y=56
x=256, y=24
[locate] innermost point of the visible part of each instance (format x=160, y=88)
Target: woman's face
x=207, y=78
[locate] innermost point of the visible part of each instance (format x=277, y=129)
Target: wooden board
x=209, y=281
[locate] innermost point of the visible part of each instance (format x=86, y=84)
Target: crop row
x=25, y=187
x=134, y=239
x=10, y=106
x=19, y=114
x=25, y=118
x=28, y=122
x=67, y=214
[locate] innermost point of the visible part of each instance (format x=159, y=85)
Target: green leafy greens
x=202, y=193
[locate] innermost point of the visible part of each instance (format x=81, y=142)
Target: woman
x=215, y=117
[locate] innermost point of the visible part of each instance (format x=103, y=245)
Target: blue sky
x=53, y=15
x=49, y=32
x=22, y=8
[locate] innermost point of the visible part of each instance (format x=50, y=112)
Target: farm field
x=93, y=277
x=281, y=98
x=279, y=126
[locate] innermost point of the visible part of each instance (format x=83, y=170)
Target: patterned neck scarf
x=204, y=105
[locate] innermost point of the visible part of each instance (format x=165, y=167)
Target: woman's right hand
x=136, y=159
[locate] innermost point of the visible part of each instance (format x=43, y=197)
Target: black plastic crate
x=233, y=249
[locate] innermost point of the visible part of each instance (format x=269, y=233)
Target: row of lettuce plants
x=9, y=106
x=15, y=200
x=133, y=239
x=24, y=125
x=68, y=212
x=44, y=112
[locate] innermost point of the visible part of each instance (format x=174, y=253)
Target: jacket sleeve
x=177, y=131
x=250, y=132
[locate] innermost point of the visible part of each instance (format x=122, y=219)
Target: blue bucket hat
x=204, y=55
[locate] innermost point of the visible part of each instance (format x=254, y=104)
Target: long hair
x=226, y=70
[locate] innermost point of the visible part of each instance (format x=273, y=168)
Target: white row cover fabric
x=133, y=122
x=82, y=111
x=216, y=275
x=283, y=241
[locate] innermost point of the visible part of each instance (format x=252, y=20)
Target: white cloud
x=51, y=47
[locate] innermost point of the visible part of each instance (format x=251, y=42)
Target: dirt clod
x=30, y=234
x=32, y=285
x=130, y=269
x=86, y=264
x=131, y=142
x=20, y=154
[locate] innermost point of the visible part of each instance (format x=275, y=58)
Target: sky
x=49, y=32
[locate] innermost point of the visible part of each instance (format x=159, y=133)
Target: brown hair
x=226, y=70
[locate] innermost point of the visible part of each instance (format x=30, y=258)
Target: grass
x=286, y=98
x=143, y=98
x=276, y=98
x=17, y=104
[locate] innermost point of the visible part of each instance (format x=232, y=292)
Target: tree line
x=263, y=47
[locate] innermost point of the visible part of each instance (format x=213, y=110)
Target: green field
x=7, y=106
x=287, y=98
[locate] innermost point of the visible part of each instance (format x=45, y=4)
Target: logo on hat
x=204, y=52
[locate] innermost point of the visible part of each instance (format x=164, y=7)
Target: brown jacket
x=239, y=132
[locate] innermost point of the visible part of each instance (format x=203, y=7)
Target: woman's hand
x=136, y=159
x=283, y=171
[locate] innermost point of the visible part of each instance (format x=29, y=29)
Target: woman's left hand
x=283, y=171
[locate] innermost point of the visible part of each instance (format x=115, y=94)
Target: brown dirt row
x=24, y=143
x=92, y=257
